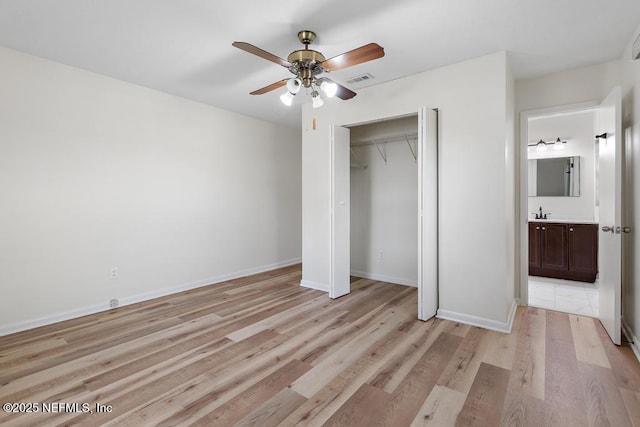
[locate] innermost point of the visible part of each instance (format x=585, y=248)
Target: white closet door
x=427, y=213
x=340, y=212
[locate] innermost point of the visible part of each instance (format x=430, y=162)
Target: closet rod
x=387, y=138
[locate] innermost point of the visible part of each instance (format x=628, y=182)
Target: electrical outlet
x=113, y=273
x=380, y=254
x=113, y=303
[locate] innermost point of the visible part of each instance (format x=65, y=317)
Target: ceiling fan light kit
x=307, y=64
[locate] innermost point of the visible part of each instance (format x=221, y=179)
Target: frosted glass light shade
x=294, y=85
x=317, y=101
x=329, y=88
x=287, y=98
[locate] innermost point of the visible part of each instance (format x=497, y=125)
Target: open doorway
x=563, y=212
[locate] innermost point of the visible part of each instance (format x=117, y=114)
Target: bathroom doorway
x=606, y=144
x=562, y=202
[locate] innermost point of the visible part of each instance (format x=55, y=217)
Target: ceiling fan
x=308, y=64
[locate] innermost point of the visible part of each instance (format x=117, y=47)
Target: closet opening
x=384, y=200
x=388, y=171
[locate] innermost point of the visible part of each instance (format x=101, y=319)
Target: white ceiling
x=184, y=47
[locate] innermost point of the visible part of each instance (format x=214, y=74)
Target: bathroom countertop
x=565, y=221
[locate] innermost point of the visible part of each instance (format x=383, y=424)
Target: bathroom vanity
x=563, y=250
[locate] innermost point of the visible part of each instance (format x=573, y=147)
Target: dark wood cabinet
x=554, y=254
x=563, y=251
x=534, y=245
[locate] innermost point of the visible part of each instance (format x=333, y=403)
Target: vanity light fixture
x=541, y=145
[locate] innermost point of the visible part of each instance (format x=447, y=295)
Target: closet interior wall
x=384, y=201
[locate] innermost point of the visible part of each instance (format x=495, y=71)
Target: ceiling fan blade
x=342, y=92
x=261, y=53
x=357, y=56
x=269, y=88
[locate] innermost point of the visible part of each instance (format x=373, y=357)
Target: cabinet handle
x=544, y=228
x=537, y=228
x=571, y=229
x=607, y=229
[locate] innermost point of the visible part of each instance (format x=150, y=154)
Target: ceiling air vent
x=361, y=78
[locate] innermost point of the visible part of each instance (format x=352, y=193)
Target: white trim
x=634, y=344
x=494, y=325
x=96, y=308
x=383, y=278
x=315, y=285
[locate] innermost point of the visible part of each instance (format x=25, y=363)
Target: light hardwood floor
x=261, y=351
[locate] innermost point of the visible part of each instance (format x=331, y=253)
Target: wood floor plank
x=416, y=387
x=528, y=372
x=589, y=348
x=604, y=401
x=563, y=388
x=523, y=410
x=485, y=401
x=624, y=364
x=235, y=409
x=364, y=408
x=389, y=376
x=500, y=347
x=441, y=408
x=272, y=412
x=632, y=403
x=460, y=374
x=237, y=351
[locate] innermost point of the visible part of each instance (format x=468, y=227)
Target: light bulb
x=559, y=145
x=294, y=85
x=317, y=101
x=329, y=88
x=287, y=98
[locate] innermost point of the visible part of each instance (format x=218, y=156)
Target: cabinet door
x=534, y=245
x=583, y=248
x=554, y=247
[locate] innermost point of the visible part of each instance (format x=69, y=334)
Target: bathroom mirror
x=554, y=177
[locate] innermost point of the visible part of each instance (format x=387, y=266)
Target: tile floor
x=564, y=295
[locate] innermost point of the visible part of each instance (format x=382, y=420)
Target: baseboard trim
x=384, y=278
x=133, y=299
x=315, y=285
x=481, y=322
x=634, y=344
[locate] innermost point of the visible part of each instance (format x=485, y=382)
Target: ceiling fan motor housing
x=305, y=63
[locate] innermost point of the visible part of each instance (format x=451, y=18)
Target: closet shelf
x=381, y=141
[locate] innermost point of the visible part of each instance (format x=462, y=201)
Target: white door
x=340, y=215
x=610, y=195
x=427, y=213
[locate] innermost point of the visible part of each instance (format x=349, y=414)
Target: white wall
x=631, y=127
x=384, y=214
x=475, y=265
x=578, y=130
x=97, y=173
